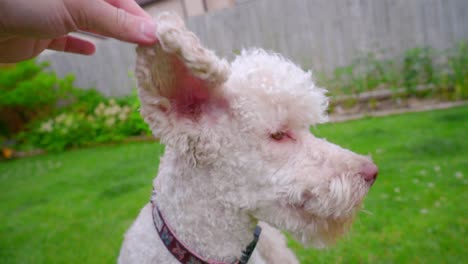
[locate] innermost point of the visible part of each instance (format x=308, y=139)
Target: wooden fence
x=318, y=34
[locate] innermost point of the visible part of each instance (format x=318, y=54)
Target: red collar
x=181, y=252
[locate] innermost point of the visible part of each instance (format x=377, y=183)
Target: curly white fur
x=224, y=169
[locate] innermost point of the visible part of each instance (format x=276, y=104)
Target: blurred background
x=77, y=160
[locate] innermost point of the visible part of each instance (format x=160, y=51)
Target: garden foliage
x=445, y=71
x=40, y=110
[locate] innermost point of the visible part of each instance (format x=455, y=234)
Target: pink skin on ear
x=190, y=93
x=192, y=96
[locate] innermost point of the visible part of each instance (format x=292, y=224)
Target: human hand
x=29, y=27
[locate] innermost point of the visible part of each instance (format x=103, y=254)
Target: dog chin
x=318, y=230
x=322, y=233
x=309, y=228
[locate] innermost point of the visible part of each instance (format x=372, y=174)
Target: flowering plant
x=111, y=120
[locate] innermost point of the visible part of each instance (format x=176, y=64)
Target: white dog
x=238, y=151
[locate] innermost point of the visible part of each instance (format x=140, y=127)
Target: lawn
x=74, y=207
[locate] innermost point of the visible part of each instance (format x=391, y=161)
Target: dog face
x=246, y=126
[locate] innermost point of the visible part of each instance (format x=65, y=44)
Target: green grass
x=74, y=207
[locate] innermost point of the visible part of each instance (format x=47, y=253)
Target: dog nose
x=369, y=172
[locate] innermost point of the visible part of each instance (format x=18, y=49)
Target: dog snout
x=369, y=172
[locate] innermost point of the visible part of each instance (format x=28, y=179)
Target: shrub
x=446, y=71
x=110, y=120
x=418, y=68
x=27, y=92
x=54, y=115
x=40, y=110
x=458, y=73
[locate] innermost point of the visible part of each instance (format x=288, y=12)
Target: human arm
x=29, y=27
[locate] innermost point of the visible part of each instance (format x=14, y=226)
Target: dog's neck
x=197, y=213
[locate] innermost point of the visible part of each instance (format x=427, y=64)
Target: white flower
x=424, y=211
x=126, y=109
x=437, y=168
x=458, y=175
x=47, y=126
x=68, y=121
x=397, y=189
x=112, y=110
x=122, y=116
x=430, y=185
x=110, y=122
x=116, y=110
x=106, y=112
x=60, y=118
x=99, y=109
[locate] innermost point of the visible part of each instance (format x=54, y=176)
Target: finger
x=107, y=20
x=130, y=6
x=72, y=45
x=18, y=49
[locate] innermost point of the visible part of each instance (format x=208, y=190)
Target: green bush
x=40, y=110
x=363, y=74
x=458, y=74
x=446, y=71
x=110, y=120
x=418, y=67
x=28, y=92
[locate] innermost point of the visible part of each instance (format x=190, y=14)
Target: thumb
x=110, y=21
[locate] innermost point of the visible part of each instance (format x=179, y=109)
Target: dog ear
x=177, y=77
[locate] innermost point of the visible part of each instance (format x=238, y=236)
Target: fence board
x=318, y=34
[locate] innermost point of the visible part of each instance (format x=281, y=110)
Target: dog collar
x=181, y=252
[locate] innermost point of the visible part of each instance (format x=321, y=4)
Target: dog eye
x=278, y=135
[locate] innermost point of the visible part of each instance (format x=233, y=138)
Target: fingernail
x=148, y=28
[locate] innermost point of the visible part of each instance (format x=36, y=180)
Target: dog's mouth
x=303, y=210
x=324, y=214
x=318, y=229
x=338, y=202
x=314, y=229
